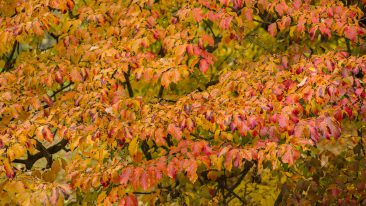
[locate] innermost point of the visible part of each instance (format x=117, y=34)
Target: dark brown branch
x=348, y=46
x=56, y=92
x=235, y=195
x=144, y=193
x=61, y=89
x=210, y=28
x=29, y=162
x=280, y=196
x=45, y=153
x=200, y=137
x=161, y=92
x=145, y=149
x=247, y=166
x=168, y=100
x=211, y=83
x=9, y=64
x=128, y=83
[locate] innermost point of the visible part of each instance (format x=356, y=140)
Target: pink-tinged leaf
x=75, y=75
x=348, y=111
x=131, y=200
x=37, y=29
x=290, y=155
x=189, y=49
x=204, y=66
x=59, y=78
x=192, y=170
x=229, y=159
x=312, y=32
x=296, y=4
x=246, y=154
x=47, y=134
x=144, y=181
x=196, y=50
x=66, y=189
x=238, y=4
x=135, y=178
x=281, y=8
x=224, y=151
x=125, y=176
x=8, y=169
x=314, y=135
x=165, y=79
x=175, y=131
x=47, y=99
x=238, y=160
x=171, y=170
x=284, y=23
x=225, y=22
x=181, y=49
x=272, y=29
x=283, y=120
x=302, y=83
x=350, y=32
x=301, y=24
x=197, y=14
x=225, y=2
x=315, y=18
x=248, y=12
x=160, y=135
x=333, y=128
x=54, y=196
x=325, y=31
x=208, y=39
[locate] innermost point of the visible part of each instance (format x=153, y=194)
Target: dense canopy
x=230, y=102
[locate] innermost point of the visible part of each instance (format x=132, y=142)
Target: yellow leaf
x=132, y=147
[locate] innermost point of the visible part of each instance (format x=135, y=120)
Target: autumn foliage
x=182, y=102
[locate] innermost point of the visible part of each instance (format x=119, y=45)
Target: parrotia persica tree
x=182, y=102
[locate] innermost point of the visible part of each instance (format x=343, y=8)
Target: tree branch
x=161, y=92
x=61, y=89
x=247, y=166
x=128, y=83
x=235, y=195
x=209, y=27
x=29, y=162
x=45, y=153
x=145, y=149
x=10, y=60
